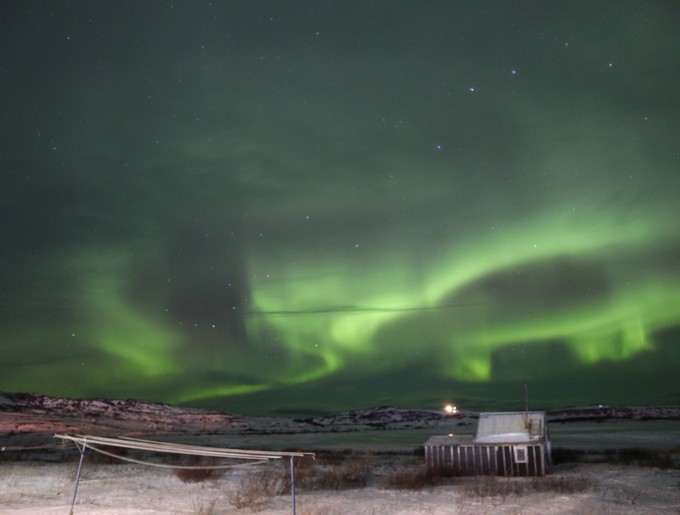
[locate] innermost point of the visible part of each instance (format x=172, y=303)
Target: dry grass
x=320, y=508
x=255, y=489
x=353, y=473
x=332, y=472
x=205, y=508
x=560, y=484
x=492, y=486
x=340, y=471
x=640, y=457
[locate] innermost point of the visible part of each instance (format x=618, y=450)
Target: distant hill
x=35, y=413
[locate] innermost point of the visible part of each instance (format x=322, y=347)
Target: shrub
x=330, y=457
x=306, y=475
x=407, y=478
x=199, y=470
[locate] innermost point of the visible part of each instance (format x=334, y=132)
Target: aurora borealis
x=298, y=207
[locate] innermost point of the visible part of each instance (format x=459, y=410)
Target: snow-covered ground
x=39, y=488
x=38, y=474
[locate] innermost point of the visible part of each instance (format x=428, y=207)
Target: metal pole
x=292, y=481
x=80, y=466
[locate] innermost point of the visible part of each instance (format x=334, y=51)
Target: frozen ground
x=32, y=488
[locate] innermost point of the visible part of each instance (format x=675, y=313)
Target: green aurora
x=288, y=208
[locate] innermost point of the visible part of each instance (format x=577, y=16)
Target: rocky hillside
x=604, y=412
x=30, y=412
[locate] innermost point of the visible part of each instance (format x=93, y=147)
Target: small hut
x=507, y=444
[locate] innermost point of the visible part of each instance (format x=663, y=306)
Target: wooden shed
x=506, y=444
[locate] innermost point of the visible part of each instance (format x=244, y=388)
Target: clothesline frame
x=84, y=442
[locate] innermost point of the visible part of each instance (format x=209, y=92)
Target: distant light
x=450, y=409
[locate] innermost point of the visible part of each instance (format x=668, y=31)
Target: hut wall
x=483, y=459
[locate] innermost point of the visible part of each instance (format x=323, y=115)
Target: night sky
x=301, y=207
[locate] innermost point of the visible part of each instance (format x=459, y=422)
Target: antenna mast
x=527, y=424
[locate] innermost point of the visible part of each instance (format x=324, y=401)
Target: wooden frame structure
x=249, y=457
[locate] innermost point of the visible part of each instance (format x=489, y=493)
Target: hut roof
x=512, y=426
x=438, y=440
